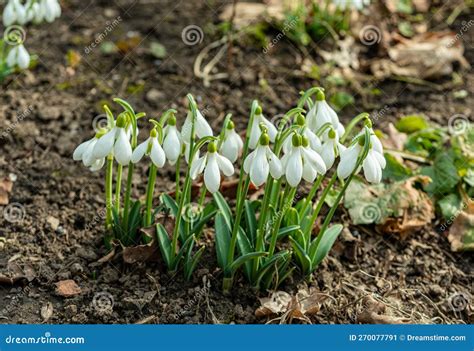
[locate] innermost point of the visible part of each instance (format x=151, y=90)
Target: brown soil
x=414, y=278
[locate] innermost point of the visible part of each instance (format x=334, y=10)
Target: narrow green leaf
x=283, y=232
x=325, y=244
x=165, y=244
x=222, y=238
x=292, y=217
x=170, y=204
x=242, y=259
x=251, y=221
x=224, y=208
x=192, y=264
x=245, y=247
x=303, y=259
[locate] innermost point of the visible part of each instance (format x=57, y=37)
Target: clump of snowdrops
x=268, y=237
x=16, y=14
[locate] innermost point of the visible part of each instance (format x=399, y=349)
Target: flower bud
x=332, y=134
x=300, y=120
x=320, y=96
x=264, y=139
x=297, y=140
x=172, y=120
x=121, y=121
x=211, y=147
x=230, y=125
x=258, y=110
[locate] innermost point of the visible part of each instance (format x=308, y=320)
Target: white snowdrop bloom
x=212, y=164
x=150, y=147
x=34, y=12
x=255, y=132
x=331, y=148
x=355, y=4
x=18, y=56
x=321, y=113
x=261, y=162
x=14, y=12
x=314, y=141
x=84, y=153
x=51, y=10
x=232, y=145
x=302, y=162
x=201, y=127
x=172, y=141
x=115, y=141
x=373, y=164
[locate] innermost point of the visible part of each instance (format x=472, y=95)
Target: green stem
x=108, y=191
x=352, y=124
x=311, y=194
x=319, y=206
x=118, y=188
x=290, y=195
x=128, y=191
x=177, y=179
x=149, y=195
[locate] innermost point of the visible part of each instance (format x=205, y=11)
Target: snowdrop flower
x=355, y=4
x=331, y=148
x=262, y=161
x=321, y=113
x=115, y=141
x=150, y=147
x=18, y=56
x=232, y=145
x=372, y=165
x=84, y=153
x=256, y=131
x=314, y=141
x=212, y=164
x=14, y=12
x=34, y=12
x=302, y=162
x=50, y=9
x=201, y=127
x=172, y=141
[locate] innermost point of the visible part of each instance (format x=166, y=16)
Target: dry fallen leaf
x=461, y=233
x=6, y=186
x=47, y=311
x=395, y=140
x=247, y=13
x=67, y=288
x=305, y=303
x=374, y=313
x=425, y=56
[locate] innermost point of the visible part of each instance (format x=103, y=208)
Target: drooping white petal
x=97, y=165
x=372, y=170
x=212, y=176
x=231, y=146
x=311, y=117
x=324, y=114
x=9, y=15
x=157, y=154
x=294, y=168
x=259, y=168
x=224, y=165
x=79, y=151
x=88, y=156
x=313, y=157
x=20, y=13
x=11, y=57
x=172, y=144
x=248, y=161
x=139, y=151
x=197, y=166
x=328, y=153
x=276, y=168
x=314, y=141
x=254, y=133
x=348, y=161
x=23, y=57
x=105, y=144
x=380, y=159
x=122, y=148
x=309, y=173
x=376, y=143
x=202, y=128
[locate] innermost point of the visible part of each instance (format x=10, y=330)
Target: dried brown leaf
x=67, y=288
x=461, y=233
